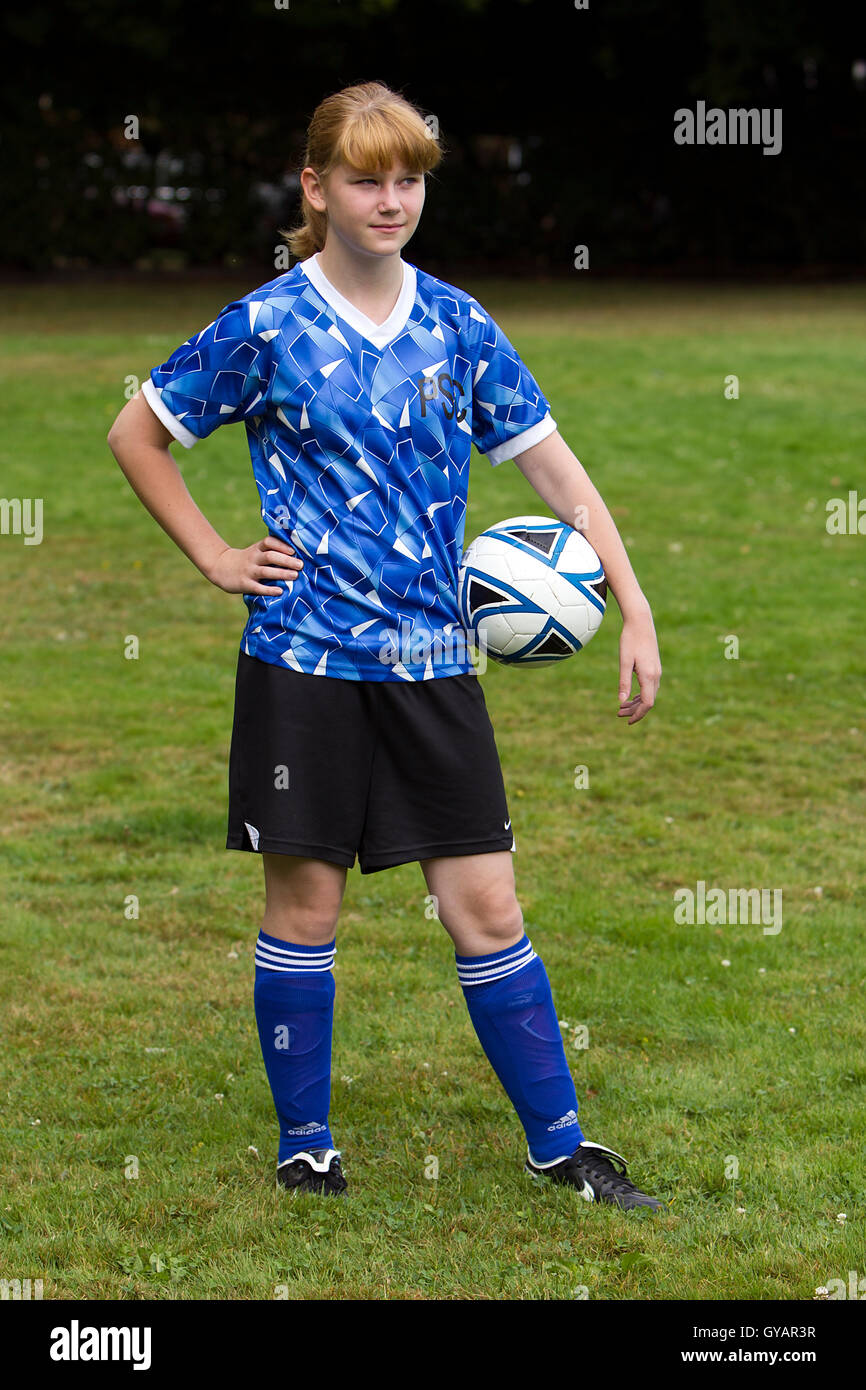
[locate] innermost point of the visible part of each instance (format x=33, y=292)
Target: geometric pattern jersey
x=360, y=438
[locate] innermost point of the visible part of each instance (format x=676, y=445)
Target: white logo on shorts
x=253, y=834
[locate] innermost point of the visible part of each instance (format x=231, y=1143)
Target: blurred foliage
x=585, y=97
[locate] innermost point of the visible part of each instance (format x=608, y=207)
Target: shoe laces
x=602, y=1171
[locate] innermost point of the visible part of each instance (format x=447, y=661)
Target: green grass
x=120, y=1032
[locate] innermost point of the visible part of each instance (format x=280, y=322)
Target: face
x=374, y=214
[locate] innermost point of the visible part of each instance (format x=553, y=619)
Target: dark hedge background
x=558, y=124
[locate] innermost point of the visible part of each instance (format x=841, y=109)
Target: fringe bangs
x=381, y=137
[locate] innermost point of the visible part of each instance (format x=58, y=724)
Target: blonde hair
x=368, y=127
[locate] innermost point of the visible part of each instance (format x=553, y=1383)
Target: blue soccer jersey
x=360, y=437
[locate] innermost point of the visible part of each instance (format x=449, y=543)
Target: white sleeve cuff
x=512, y=447
x=163, y=414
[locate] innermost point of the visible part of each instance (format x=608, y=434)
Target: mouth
x=387, y=226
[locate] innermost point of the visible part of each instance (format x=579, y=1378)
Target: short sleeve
x=220, y=376
x=510, y=412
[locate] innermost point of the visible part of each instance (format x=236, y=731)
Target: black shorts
x=394, y=770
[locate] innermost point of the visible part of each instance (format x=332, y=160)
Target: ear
x=312, y=187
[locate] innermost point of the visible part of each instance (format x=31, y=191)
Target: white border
x=162, y=413
x=379, y=334
x=512, y=447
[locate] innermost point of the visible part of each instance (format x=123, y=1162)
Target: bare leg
x=476, y=900
x=303, y=898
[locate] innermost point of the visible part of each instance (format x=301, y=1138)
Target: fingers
x=277, y=552
x=276, y=560
x=277, y=569
x=635, y=708
x=640, y=704
x=625, y=669
x=638, y=657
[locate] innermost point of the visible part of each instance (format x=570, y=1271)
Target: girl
x=360, y=724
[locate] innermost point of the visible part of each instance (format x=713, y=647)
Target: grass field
x=129, y=1044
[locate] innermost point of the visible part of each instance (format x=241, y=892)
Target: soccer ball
x=531, y=591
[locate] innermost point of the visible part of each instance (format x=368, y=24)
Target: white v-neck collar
x=379, y=334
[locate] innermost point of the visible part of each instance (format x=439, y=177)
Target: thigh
x=436, y=787
x=476, y=900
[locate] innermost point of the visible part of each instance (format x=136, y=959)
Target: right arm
x=139, y=442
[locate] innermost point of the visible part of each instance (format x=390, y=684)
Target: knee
x=303, y=898
x=305, y=926
x=494, y=917
x=506, y=929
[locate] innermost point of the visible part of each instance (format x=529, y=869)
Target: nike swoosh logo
x=508, y=823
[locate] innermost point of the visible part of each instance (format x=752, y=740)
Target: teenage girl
x=360, y=724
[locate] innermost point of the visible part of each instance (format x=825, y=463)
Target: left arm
x=563, y=483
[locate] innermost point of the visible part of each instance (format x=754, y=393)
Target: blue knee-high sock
x=509, y=1001
x=294, y=1006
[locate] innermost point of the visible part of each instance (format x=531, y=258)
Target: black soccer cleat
x=313, y=1170
x=596, y=1177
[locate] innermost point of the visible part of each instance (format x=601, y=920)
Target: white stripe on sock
x=286, y=958
x=468, y=973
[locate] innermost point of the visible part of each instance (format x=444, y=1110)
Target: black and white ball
x=531, y=591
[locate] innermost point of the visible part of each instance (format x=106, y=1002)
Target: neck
x=369, y=276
